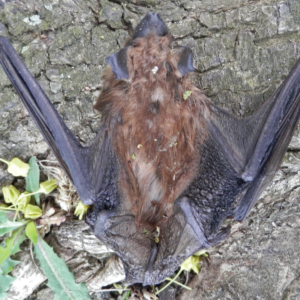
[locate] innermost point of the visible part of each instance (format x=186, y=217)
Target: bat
x=167, y=166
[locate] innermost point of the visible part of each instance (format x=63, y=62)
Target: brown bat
x=167, y=166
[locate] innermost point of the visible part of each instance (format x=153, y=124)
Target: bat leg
x=194, y=223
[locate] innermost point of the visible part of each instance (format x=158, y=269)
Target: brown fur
x=154, y=129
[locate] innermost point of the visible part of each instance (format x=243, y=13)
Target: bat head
x=150, y=27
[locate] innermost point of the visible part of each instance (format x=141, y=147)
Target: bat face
x=167, y=166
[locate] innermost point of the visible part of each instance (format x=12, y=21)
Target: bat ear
x=185, y=61
x=118, y=63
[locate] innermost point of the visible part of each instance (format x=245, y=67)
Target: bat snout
x=151, y=23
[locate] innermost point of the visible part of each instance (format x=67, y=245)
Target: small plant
x=18, y=216
x=81, y=210
x=187, y=94
x=192, y=263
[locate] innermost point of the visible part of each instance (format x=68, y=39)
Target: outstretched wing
x=257, y=143
x=240, y=157
x=92, y=169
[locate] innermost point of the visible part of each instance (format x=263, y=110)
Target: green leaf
x=33, y=179
x=48, y=186
x=6, y=225
x=126, y=296
x=60, y=279
x=187, y=94
x=32, y=212
x=11, y=245
x=81, y=210
x=8, y=265
x=202, y=253
x=19, y=240
x=10, y=194
x=16, y=167
x=191, y=263
x=3, y=217
x=23, y=201
x=5, y=283
x=31, y=232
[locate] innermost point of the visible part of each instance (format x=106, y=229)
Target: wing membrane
x=255, y=145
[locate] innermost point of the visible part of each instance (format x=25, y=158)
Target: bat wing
x=91, y=168
x=240, y=157
x=254, y=146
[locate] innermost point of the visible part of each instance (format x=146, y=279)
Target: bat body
x=167, y=167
